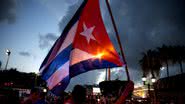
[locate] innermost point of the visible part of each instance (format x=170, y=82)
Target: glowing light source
x=143, y=78
x=162, y=68
x=8, y=52
x=96, y=90
x=44, y=90
x=99, y=55
x=153, y=79
x=139, y=100
x=143, y=96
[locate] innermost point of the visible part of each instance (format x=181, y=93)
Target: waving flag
x=84, y=45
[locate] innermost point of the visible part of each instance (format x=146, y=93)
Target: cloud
x=146, y=24
x=45, y=41
x=26, y=54
x=8, y=11
x=69, y=14
x=142, y=25
x=71, y=2
x=88, y=78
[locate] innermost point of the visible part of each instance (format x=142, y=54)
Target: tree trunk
x=180, y=63
x=167, y=70
x=152, y=72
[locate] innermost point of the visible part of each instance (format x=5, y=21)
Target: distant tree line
x=153, y=60
x=0, y=64
x=16, y=79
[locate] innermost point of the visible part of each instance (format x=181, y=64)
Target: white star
x=88, y=32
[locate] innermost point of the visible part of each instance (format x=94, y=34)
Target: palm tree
x=150, y=55
x=144, y=64
x=178, y=56
x=164, y=57
x=150, y=63
x=156, y=63
x=183, y=55
x=153, y=60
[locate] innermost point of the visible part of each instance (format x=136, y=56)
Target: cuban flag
x=84, y=45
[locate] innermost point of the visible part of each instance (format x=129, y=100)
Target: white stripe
x=42, y=69
x=58, y=76
x=78, y=55
x=69, y=39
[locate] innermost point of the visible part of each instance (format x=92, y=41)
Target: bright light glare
x=162, y=68
x=44, y=90
x=7, y=50
x=99, y=55
x=96, y=90
x=139, y=100
x=143, y=95
x=153, y=80
x=144, y=79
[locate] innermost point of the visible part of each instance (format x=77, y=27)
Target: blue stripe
x=61, y=59
x=63, y=56
x=59, y=89
x=88, y=65
x=62, y=37
x=47, y=57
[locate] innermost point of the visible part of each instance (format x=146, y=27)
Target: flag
x=84, y=45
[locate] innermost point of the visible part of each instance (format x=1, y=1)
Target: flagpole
x=118, y=38
x=109, y=74
x=106, y=74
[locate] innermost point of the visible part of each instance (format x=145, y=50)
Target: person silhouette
x=78, y=95
x=34, y=96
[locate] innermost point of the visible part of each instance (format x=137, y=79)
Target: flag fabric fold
x=84, y=45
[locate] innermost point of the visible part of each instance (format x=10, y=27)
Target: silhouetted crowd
x=37, y=96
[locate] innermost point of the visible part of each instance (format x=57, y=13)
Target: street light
x=8, y=52
x=153, y=79
x=149, y=84
x=44, y=90
x=144, y=78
